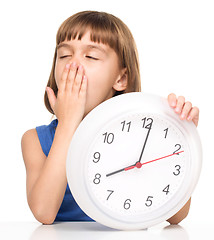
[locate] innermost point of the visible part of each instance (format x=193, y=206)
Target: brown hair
x=107, y=29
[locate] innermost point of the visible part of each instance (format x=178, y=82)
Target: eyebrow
x=89, y=46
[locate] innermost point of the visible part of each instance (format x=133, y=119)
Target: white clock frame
x=93, y=123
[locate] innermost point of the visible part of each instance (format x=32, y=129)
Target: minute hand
x=144, y=144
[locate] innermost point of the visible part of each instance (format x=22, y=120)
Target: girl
x=95, y=59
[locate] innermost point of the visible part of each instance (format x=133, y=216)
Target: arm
x=46, y=177
x=189, y=113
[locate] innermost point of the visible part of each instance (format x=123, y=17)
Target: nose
x=76, y=60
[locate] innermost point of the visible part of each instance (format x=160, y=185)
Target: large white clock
x=132, y=162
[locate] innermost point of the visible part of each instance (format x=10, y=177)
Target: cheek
x=99, y=85
x=100, y=76
x=97, y=80
x=57, y=74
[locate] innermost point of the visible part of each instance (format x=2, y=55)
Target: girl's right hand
x=69, y=106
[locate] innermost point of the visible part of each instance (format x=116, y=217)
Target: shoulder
x=31, y=148
x=29, y=136
x=36, y=143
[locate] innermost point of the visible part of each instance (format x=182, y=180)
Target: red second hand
x=139, y=165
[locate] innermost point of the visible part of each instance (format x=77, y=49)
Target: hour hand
x=121, y=170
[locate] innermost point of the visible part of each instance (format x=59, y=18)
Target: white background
x=175, y=40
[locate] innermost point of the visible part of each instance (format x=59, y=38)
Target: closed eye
x=66, y=56
x=92, y=57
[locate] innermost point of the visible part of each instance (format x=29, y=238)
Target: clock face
x=136, y=164
x=132, y=162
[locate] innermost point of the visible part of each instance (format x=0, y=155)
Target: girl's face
x=101, y=66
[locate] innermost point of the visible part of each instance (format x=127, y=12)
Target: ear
x=122, y=81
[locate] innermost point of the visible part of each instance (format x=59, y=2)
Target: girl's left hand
x=184, y=109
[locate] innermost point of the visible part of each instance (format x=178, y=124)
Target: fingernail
x=189, y=118
x=67, y=66
x=182, y=115
x=177, y=109
x=73, y=65
x=80, y=67
x=173, y=104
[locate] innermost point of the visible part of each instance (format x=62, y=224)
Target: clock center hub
x=138, y=165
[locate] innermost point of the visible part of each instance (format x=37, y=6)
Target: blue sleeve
x=46, y=135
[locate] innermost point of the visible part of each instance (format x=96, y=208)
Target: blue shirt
x=69, y=209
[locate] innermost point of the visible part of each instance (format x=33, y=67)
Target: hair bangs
x=101, y=29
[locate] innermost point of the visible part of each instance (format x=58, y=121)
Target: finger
x=172, y=100
x=194, y=115
x=51, y=97
x=62, y=82
x=82, y=93
x=186, y=109
x=180, y=104
x=71, y=77
x=78, y=80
